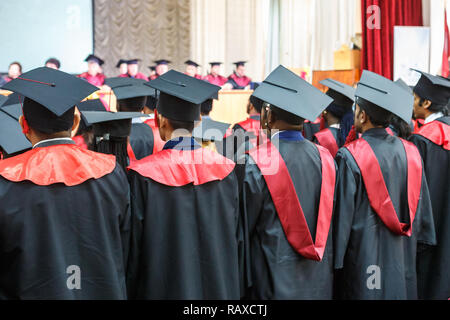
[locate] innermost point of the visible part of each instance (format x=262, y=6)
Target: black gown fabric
x=310, y=129
x=274, y=269
x=44, y=230
x=185, y=240
x=366, y=251
x=433, y=265
x=336, y=136
x=141, y=140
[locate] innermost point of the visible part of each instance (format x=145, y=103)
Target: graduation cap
x=403, y=85
x=215, y=64
x=191, y=63
x=13, y=98
x=94, y=58
x=120, y=62
x=240, y=63
x=133, y=61
x=12, y=140
x=125, y=88
x=340, y=88
x=13, y=110
x=286, y=90
x=111, y=124
x=385, y=94
x=89, y=105
x=161, y=61
x=181, y=95
x=210, y=130
x=433, y=88
x=3, y=99
x=153, y=68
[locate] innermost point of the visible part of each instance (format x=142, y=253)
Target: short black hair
x=206, y=107
x=377, y=115
x=54, y=61
x=285, y=116
x=434, y=107
x=186, y=125
x=132, y=104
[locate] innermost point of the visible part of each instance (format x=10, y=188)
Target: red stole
x=377, y=192
x=326, y=139
x=288, y=206
x=158, y=143
x=240, y=81
x=437, y=132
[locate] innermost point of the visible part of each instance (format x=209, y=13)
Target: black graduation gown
x=184, y=238
x=310, y=129
x=141, y=140
x=48, y=231
x=365, y=249
x=275, y=269
x=242, y=138
x=433, y=265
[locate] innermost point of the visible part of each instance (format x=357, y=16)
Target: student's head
x=93, y=68
x=123, y=68
x=14, y=70
x=206, y=107
x=42, y=124
x=162, y=68
x=254, y=105
x=369, y=115
x=431, y=95
x=215, y=69
x=53, y=63
x=402, y=128
x=240, y=70
x=136, y=104
x=423, y=107
x=133, y=69
x=273, y=118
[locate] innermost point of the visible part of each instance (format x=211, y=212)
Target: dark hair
x=18, y=63
x=377, y=115
x=186, y=125
x=285, y=116
x=132, y=104
x=402, y=128
x=206, y=107
x=114, y=145
x=434, y=107
x=54, y=61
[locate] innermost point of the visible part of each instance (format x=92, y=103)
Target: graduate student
x=432, y=94
x=192, y=69
x=185, y=206
x=162, y=66
x=383, y=209
x=214, y=76
x=60, y=238
x=94, y=74
x=53, y=63
x=84, y=136
x=122, y=65
x=338, y=116
x=131, y=97
x=287, y=196
x=238, y=79
x=133, y=70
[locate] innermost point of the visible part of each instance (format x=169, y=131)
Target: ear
x=76, y=123
x=426, y=104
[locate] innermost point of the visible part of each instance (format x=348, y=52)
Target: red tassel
x=351, y=135
x=322, y=123
x=26, y=127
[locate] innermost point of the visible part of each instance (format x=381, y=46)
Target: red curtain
x=378, y=36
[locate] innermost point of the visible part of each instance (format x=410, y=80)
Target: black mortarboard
x=114, y=124
x=192, y=63
x=120, y=62
x=55, y=90
x=433, y=88
x=12, y=140
x=210, y=130
x=3, y=99
x=215, y=64
x=286, y=90
x=89, y=105
x=239, y=63
x=94, y=58
x=161, y=61
x=13, y=98
x=125, y=88
x=341, y=88
x=404, y=85
x=153, y=68
x=133, y=61
x=386, y=94
x=181, y=95
x=13, y=110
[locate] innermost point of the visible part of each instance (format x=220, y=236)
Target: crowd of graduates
x=336, y=195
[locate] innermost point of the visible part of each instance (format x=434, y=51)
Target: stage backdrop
x=144, y=29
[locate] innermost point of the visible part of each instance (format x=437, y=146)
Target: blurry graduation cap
x=125, y=88
x=403, y=85
x=286, y=90
x=210, y=130
x=191, y=63
x=181, y=95
x=89, y=105
x=240, y=63
x=433, y=88
x=153, y=68
x=385, y=94
x=120, y=62
x=133, y=61
x=12, y=140
x=3, y=99
x=55, y=90
x=339, y=88
x=162, y=61
x=13, y=110
x=94, y=58
x=13, y=98
x=110, y=124
x=215, y=64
